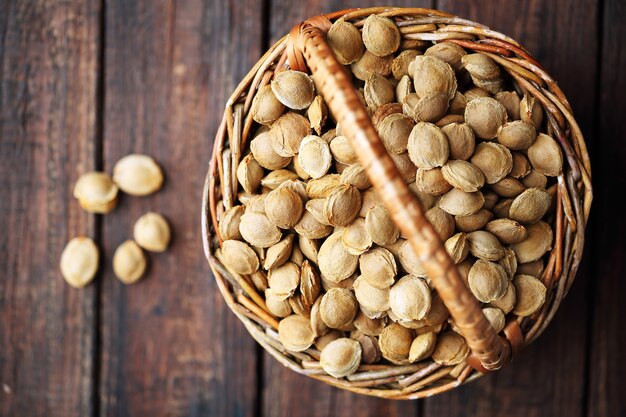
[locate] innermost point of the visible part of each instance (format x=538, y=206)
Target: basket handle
x=489, y=351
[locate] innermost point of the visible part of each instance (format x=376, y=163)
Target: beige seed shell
x=535, y=179
x=457, y=247
x=369, y=199
x=448, y=52
x=521, y=165
x=410, y=298
x=294, y=89
x=380, y=226
x=534, y=268
x=318, y=326
x=459, y=203
x=536, y=244
x=485, y=115
x=531, y=294
x=450, y=349
x=507, y=301
x=495, y=317
x=355, y=237
x=428, y=146
x=431, y=181
x=400, y=64
x=511, y=102
x=283, y=280
x=287, y=132
x=463, y=175
x=338, y=307
x=323, y=341
x=422, y=346
x=152, y=232
x=356, y=176
x=395, y=343
x=322, y=187
x=461, y=140
x=428, y=108
x=258, y=230
x=369, y=345
x=279, y=253
x=79, y=261
x=508, y=187
x=374, y=299
x=335, y=262
x=530, y=206
x=370, y=64
x=239, y=257
x=278, y=306
x=317, y=114
x=310, y=284
x=378, y=91
x=284, y=207
x=249, y=174
x=474, y=221
x=265, y=106
x=545, y=156
x=96, y=192
x=310, y=228
x=229, y=223
x=531, y=111
x=403, y=89
x=341, y=357
x=487, y=281
x=295, y=333
x=274, y=179
x=342, y=205
x=378, y=267
x=517, y=135
x=484, y=245
x=394, y=132
x=129, y=262
x=380, y=35
x=432, y=75
x=369, y=326
x=342, y=150
x=316, y=208
x=345, y=41
x=138, y=175
x=494, y=160
x=314, y=156
x=509, y=263
x=264, y=153
x=507, y=231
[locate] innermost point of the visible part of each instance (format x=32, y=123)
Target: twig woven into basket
x=305, y=49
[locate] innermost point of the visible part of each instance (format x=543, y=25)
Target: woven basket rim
x=574, y=193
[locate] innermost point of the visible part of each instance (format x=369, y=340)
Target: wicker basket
x=305, y=49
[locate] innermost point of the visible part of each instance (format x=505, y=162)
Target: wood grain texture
x=170, y=345
x=608, y=332
x=548, y=378
x=48, y=134
x=284, y=391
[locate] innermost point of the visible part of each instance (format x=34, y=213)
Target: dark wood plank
x=608, y=333
x=549, y=377
x=170, y=345
x=49, y=63
x=285, y=392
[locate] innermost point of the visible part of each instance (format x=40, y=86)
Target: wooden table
x=83, y=83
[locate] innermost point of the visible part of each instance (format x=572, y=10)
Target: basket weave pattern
x=305, y=50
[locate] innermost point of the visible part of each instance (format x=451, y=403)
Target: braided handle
x=307, y=39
